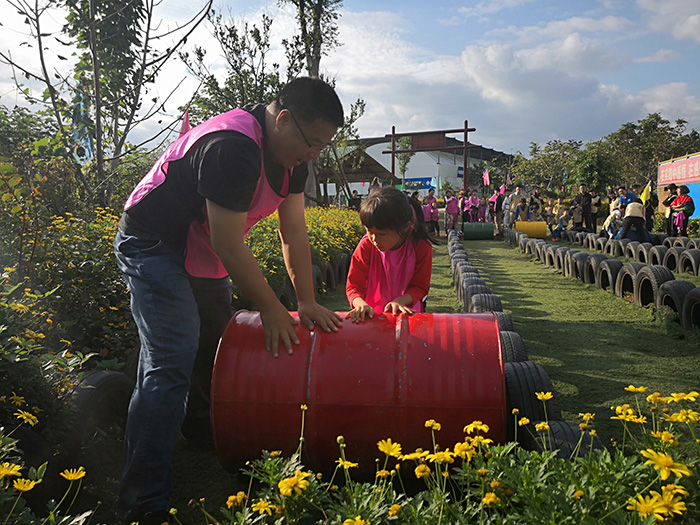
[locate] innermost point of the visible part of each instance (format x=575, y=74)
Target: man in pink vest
x=185, y=223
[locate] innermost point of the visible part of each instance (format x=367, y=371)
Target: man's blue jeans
x=165, y=312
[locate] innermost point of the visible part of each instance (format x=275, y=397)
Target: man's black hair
x=310, y=99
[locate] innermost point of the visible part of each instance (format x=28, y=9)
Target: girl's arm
x=356, y=286
x=420, y=283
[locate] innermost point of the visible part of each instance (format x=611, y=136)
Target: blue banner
x=423, y=183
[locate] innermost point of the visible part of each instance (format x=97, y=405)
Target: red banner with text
x=684, y=170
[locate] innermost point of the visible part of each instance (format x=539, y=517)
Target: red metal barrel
x=379, y=379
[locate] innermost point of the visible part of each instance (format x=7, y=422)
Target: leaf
x=22, y=192
x=16, y=210
x=61, y=57
x=6, y=197
x=14, y=181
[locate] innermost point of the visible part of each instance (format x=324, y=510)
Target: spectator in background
x=634, y=219
x=625, y=196
x=536, y=198
x=614, y=200
x=548, y=213
x=535, y=215
x=522, y=211
x=650, y=207
x=434, y=212
x=483, y=210
x=497, y=214
x=354, y=201
x=673, y=193
x=562, y=222
x=507, y=200
x=451, y=210
x=683, y=208
x=595, y=204
x=583, y=200
x=577, y=217
x=515, y=202
x=375, y=185
x=416, y=197
x=613, y=223
x=427, y=207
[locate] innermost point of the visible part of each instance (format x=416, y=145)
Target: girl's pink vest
x=451, y=205
x=201, y=261
x=390, y=273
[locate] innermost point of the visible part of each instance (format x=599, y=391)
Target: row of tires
x=523, y=378
x=645, y=284
x=678, y=254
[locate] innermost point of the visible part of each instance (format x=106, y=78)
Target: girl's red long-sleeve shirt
x=359, y=270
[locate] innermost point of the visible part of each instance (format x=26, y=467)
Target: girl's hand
x=358, y=313
x=397, y=308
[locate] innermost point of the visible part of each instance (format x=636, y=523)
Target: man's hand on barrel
x=278, y=324
x=314, y=315
x=360, y=310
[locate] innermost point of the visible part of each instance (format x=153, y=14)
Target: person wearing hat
x=673, y=193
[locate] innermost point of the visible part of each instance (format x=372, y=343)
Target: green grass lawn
x=592, y=343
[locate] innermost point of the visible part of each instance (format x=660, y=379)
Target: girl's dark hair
x=387, y=208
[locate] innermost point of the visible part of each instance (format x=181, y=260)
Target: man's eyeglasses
x=317, y=147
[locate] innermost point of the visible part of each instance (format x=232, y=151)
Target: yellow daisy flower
x=476, y=426
x=664, y=464
x=422, y=471
x=27, y=417
x=263, y=507
x=23, y=485
x=9, y=469
x=647, y=506
x=345, y=464
x=491, y=499
x=73, y=474
x=389, y=448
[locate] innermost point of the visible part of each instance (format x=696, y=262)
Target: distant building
x=442, y=166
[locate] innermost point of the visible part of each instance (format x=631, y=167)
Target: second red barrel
x=379, y=379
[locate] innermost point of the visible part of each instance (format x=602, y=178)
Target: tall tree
x=250, y=77
x=116, y=65
x=318, y=30
x=640, y=146
x=595, y=166
x=549, y=166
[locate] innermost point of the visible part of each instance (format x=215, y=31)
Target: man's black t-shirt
x=224, y=167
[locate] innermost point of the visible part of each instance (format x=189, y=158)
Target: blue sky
x=518, y=70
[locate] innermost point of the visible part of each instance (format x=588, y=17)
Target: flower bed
x=650, y=475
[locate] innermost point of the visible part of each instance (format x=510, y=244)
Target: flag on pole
x=486, y=177
x=509, y=182
x=502, y=189
x=646, y=194
x=185, y=127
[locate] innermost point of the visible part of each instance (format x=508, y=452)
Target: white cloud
x=491, y=7
x=680, y=18
x=560, y=29
x=662, y=55
x=573, y=53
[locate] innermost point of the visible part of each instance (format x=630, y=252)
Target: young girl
x=473, y=203
x=451, y=210
x=391, y=266
x=482, y=210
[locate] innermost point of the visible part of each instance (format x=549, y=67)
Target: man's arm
x=297, y=259
x=227, y=239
